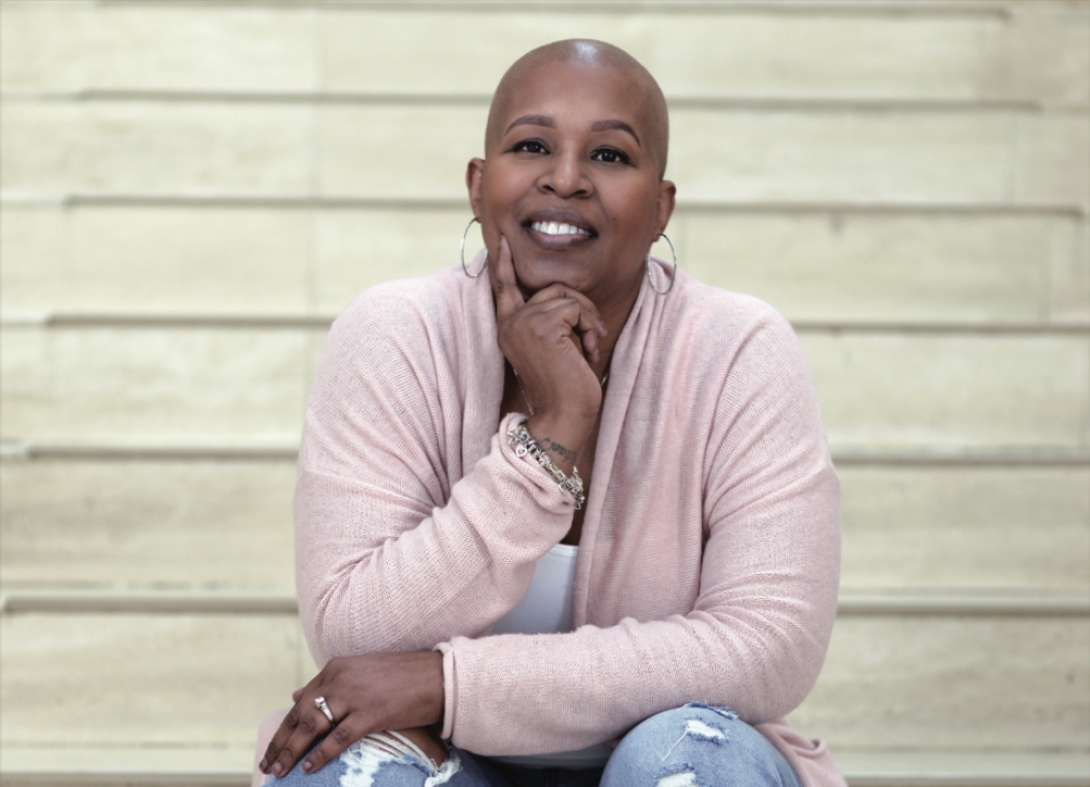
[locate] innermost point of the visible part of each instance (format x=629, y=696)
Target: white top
x=546, y=609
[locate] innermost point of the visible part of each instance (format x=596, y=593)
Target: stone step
x=852, y=602
x=907, y=266
x=965, y=769
x=383, y=151
x=963, y=526
x=146, y=679
x=229, y=767
x=99, y=520
x=891, y=390
x=215, y=767
x=152, y=523
x=996, y=51
x=190, y=383
x=926, y=679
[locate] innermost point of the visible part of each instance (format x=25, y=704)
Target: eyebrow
x=620, y=125
x=600, y=125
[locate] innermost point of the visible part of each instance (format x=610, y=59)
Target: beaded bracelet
x=524, y=444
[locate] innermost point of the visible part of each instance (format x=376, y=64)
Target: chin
x=538, y=277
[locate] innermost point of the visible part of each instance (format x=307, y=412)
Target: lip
x=559, y=217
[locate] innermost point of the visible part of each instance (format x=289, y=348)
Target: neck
x=614, y=315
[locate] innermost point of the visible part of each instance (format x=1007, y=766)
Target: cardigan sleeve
x=756, y=636
x=387, y=556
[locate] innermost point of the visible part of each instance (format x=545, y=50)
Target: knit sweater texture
x=709, y=558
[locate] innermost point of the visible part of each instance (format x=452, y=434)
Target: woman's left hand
x=365, y=694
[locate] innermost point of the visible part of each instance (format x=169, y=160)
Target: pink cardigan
x=709, y=558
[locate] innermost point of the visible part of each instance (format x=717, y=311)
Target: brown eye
x=609, y=156
x=530, y=146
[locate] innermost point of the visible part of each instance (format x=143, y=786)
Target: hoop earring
x=462, y=253
x=673, y=278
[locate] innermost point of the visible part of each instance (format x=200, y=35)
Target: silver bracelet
x=524, y=444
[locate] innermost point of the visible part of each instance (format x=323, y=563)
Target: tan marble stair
x=166, y=687
x=191, y=191
x=127, y=516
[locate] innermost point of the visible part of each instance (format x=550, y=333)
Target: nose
x=566, y=176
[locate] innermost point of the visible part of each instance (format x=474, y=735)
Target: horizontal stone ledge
x=99, y=452
x=30, y=451
x=959, y=328
x=899, y=8
x=318, y=202
x=205, y=766
x=151, y=320
x=711, y=102
x=960, y=768
x=852, y=602
x=150, y=601
x=965, y=458
x=975, y=603
x=46, y=319
x=133, y=765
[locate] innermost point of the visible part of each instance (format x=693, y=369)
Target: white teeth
x=552, y=228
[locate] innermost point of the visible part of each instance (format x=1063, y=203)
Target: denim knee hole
x=364, y=758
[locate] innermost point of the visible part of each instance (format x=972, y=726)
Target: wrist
x=431, y=687
x=562, y=438
x=525, y=445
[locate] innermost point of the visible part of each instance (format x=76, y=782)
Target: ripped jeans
x=693, y=746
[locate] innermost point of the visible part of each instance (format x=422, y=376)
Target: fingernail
x=277, y=769
x=264, y=765
x=307, y=766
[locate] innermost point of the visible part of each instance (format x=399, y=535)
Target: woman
x=619, y=466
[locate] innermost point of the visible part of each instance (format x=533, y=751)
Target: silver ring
x=319, y=702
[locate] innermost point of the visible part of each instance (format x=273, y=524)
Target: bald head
x=592, y=54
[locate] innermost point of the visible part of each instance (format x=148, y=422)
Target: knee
x=383, y=759
x=398, y=760
x=675, y=735
x=696, y=746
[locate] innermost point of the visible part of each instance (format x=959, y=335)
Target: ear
x=474, y=176
x=664, y=206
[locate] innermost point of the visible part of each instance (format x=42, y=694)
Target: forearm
x=753, y=636
x=504, y=693
x=367, y=585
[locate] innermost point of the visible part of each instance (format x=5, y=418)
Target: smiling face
x=572, y=177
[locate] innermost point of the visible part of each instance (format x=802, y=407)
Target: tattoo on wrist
x=549, y=445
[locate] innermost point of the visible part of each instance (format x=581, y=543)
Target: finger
x=284, y=731
x=310, y=725
x=301, y=727
x=347, y=732
x=505, y=283
x=279, y=739
x=589, y=333
x=554, y=291
x=580, y=321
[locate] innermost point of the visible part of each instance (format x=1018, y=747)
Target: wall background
x=192, y=190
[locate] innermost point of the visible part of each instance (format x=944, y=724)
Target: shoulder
x=723, y=322
x=403, y=330
x=402, y=304
x=412, y=315
x=723, y=350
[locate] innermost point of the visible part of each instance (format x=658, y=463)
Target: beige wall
x=192, y=190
